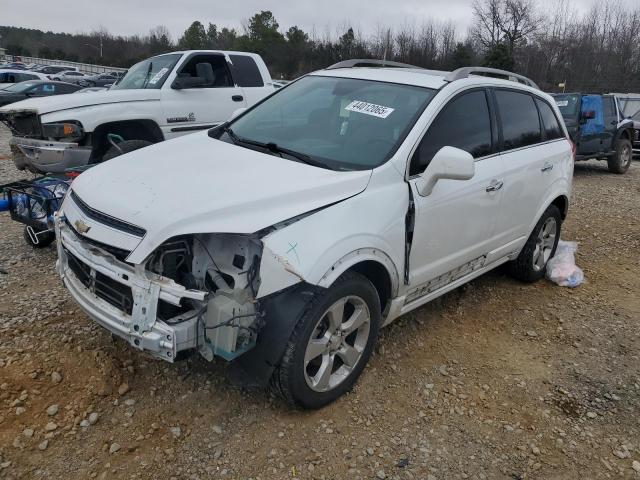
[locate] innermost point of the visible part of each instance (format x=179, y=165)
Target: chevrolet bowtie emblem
x=81, y=227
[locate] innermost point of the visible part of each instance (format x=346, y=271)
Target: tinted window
x=568, y=105
x=245, y=71
x=464, y=123
x=46, y=89
x=609, y=108
x=520, y=122
x=215, y=77
x=67, y=88
x=21, y=77
x=552, y=128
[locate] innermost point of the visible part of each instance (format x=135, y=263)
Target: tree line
x=598, y=51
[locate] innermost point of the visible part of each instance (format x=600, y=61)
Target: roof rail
x=369, y=62
x=465, y=72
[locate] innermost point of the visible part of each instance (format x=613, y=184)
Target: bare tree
x=508, y=21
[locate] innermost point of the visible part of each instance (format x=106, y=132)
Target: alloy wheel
x=544, y=243
x=337, y=343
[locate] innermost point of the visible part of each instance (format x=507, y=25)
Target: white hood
x=196, y=184
x=56, y=103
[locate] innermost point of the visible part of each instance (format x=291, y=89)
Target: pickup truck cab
x=598, y=128
x=159, y=98
x=284, y=239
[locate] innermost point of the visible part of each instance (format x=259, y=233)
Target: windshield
x=568, y=104
x=19, y=87
x=337, y=123
x=150, y=73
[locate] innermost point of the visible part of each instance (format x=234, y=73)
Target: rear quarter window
x=245, y=71
x=552, y=128
x=519, y=118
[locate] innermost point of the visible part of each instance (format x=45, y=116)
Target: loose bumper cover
x=123, y=298
x=47, y=156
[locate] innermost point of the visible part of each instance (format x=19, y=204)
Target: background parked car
x=55, y=69
x=100, y=80
x=597, y=128
x=37, y=88
x=11, y=76
x=71, y=76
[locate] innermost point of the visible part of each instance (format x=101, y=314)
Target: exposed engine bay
x=226, y=267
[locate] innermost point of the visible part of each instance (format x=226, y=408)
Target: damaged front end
x=193, y=293
x=45, y=148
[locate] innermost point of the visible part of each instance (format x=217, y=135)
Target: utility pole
x=387, y=41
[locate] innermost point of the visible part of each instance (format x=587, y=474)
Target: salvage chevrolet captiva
x=283, y=239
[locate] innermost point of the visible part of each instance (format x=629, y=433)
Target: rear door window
x=464, y=123
x=245, y=71
x=519, y=117
x=552, y=129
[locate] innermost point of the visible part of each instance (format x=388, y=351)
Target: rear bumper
x=140, y=328
x=44, y=156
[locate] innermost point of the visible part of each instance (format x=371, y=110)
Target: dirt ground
x=495, y=380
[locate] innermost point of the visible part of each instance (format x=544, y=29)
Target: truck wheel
x=330, y=345
x=125, y=147
x=620, y=161
x=44, y=239
x=531, y=264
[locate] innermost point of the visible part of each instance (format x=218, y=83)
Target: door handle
x=547, y=166
x=495, y=186
x=237, y=98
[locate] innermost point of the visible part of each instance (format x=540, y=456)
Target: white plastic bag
x=562, y=269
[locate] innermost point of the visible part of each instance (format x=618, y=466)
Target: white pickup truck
x=159, y=98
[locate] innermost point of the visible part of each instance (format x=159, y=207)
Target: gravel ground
x=495, y=380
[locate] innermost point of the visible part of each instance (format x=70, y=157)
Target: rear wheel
x=621, y=160
x=330, y=345
x=531, y=264
x=123, y=147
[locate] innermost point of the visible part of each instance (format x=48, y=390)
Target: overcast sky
x=128, y=17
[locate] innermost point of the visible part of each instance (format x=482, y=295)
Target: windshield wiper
x=275, y=148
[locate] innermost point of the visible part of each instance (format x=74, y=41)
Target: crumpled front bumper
x=141, y=328
x=44, y=156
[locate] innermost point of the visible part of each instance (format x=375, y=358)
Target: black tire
x=621, y=160
x=125, y=147
x=44, y=239
x=289, y=380
x=523, y=267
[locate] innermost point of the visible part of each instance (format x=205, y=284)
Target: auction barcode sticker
x=379, y=111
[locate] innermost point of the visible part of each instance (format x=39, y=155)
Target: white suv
x=285, y=238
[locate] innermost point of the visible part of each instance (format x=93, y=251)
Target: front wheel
x=330, y=345
x=531, y=264
x=620, y=161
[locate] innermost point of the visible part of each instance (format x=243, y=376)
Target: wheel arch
x=373, y=264
x=562, y=202
x=137, y=129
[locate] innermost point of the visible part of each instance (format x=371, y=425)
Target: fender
x=358, y=256
x=624, y=126
x=318, y=248
x=558, y=189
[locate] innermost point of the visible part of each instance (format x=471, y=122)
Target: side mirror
x=181, y=83
x=449, y=163
x=237, y=112
x=588, y=115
